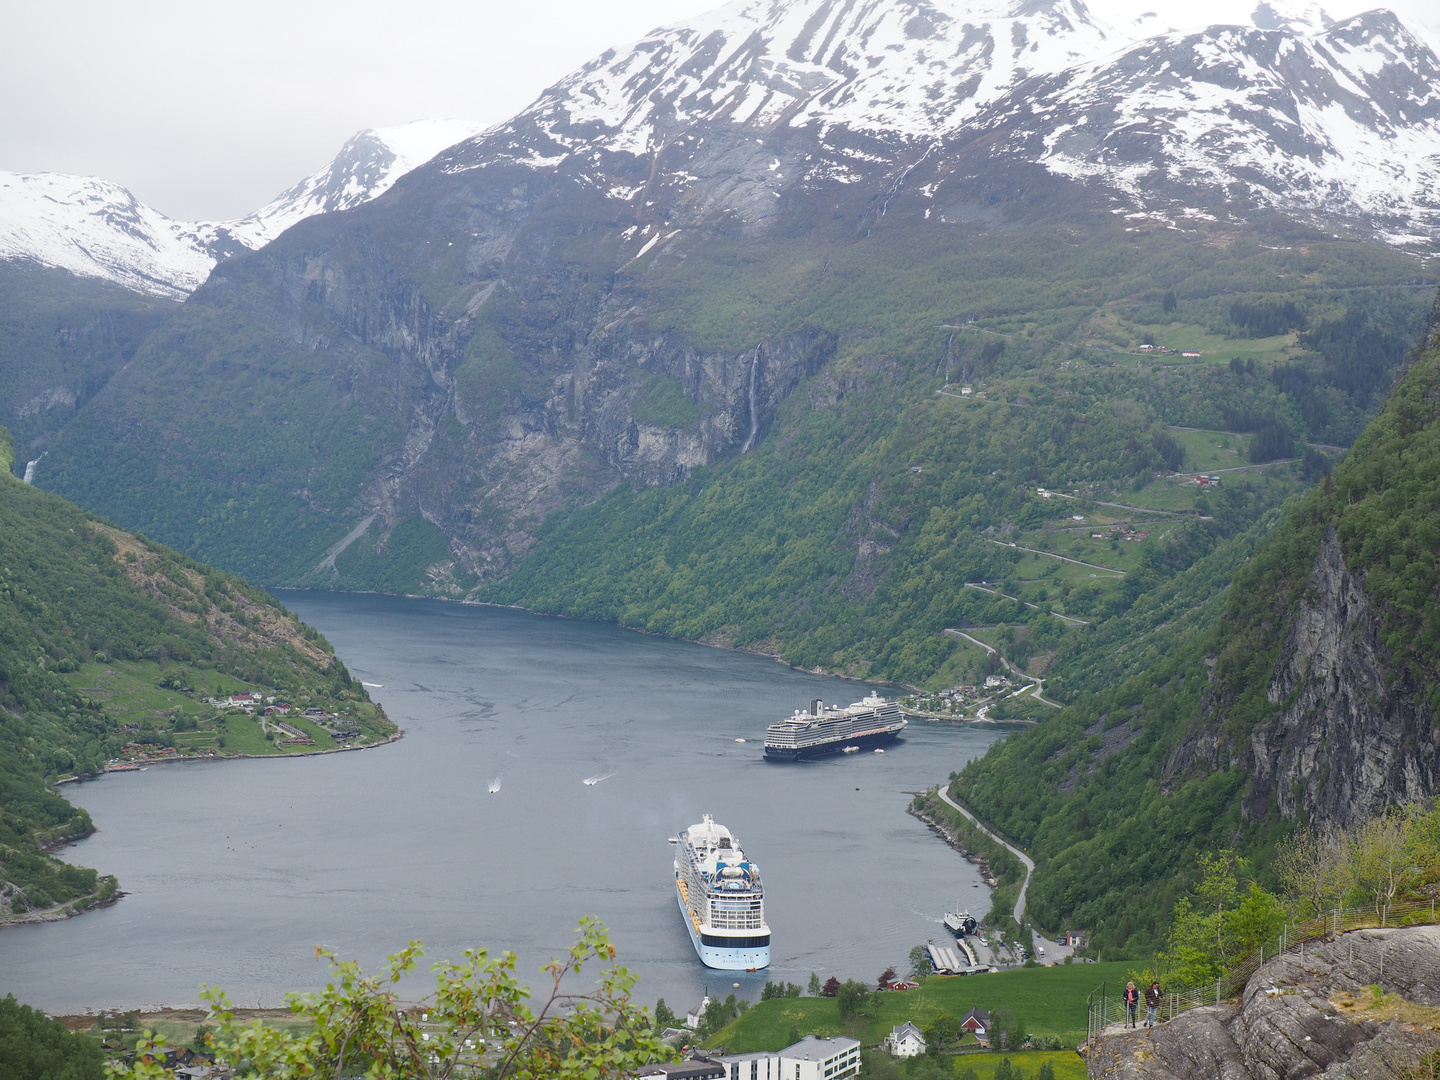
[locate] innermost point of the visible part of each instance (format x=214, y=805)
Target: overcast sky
x=206, y=110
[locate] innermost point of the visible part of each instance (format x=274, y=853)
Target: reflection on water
x=544, y=765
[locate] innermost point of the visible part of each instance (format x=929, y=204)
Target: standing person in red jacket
x=1154, y=998
x=1132, y=1002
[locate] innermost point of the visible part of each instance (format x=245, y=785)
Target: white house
x=812, y=1058
x=905, y=1040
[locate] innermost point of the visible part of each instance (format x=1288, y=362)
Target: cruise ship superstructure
x=829, y=729
x=721, y=898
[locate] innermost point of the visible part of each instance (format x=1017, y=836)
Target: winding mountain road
x=1024, y=859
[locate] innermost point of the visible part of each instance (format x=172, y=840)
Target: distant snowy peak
x=1343, y=123
x=366, y=167
x=882, y=67
x=96, y=228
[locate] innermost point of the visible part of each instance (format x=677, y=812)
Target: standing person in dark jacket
x=1154, y=997
x=1132, y=1002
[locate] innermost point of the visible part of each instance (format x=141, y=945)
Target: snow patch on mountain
x=96, y=228
x=887, y=68
x=1342, y=123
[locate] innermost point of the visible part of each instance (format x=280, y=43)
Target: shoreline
x=147, y=762
x=58, y=913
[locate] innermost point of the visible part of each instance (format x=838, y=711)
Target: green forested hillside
x=845, y=540
x=62, y=338
x=108, y=640
x=1118, y=795
x=262, y=424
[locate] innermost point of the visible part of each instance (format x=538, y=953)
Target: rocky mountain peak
x=366, y=167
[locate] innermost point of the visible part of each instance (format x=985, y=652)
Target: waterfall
x=754, y=414
x=30, y=468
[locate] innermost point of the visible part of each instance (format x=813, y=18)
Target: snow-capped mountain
x=1344, y=123
x=367, y=166
x=732, y=111
x=96, y=228
x=883, y=67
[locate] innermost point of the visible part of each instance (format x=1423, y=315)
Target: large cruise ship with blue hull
x=721, y=899
x=869, y=723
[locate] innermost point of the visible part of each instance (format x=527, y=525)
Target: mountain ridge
x=96, y=228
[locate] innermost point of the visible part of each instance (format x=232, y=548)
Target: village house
x=977, y=1023
x=905, y=1040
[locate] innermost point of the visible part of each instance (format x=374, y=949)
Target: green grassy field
x=1216, y=349
x=1045, y=1001
x=1205, y=450
x=130, y=694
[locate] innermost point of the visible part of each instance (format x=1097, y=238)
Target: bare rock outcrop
x=1363, y=1006
x=1350, y=738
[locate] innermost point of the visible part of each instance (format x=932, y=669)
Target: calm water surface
x=236, y=869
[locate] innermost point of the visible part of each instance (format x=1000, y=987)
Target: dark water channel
x=236, y=869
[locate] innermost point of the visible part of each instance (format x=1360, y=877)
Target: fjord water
x=236, y=870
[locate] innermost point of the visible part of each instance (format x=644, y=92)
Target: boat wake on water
x=494, y=788
x=591, y=781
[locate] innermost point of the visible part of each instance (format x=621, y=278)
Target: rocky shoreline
x=939, y=829
x=60, y=912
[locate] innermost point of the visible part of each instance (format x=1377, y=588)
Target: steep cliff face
x=1363, y=1005
x=464, y=389
x=1344, y=608
x=1351, y=736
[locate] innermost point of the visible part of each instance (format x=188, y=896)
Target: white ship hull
x=723, y=957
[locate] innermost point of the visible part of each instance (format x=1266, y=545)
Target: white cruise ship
x=829, y=729
x=721, y=899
